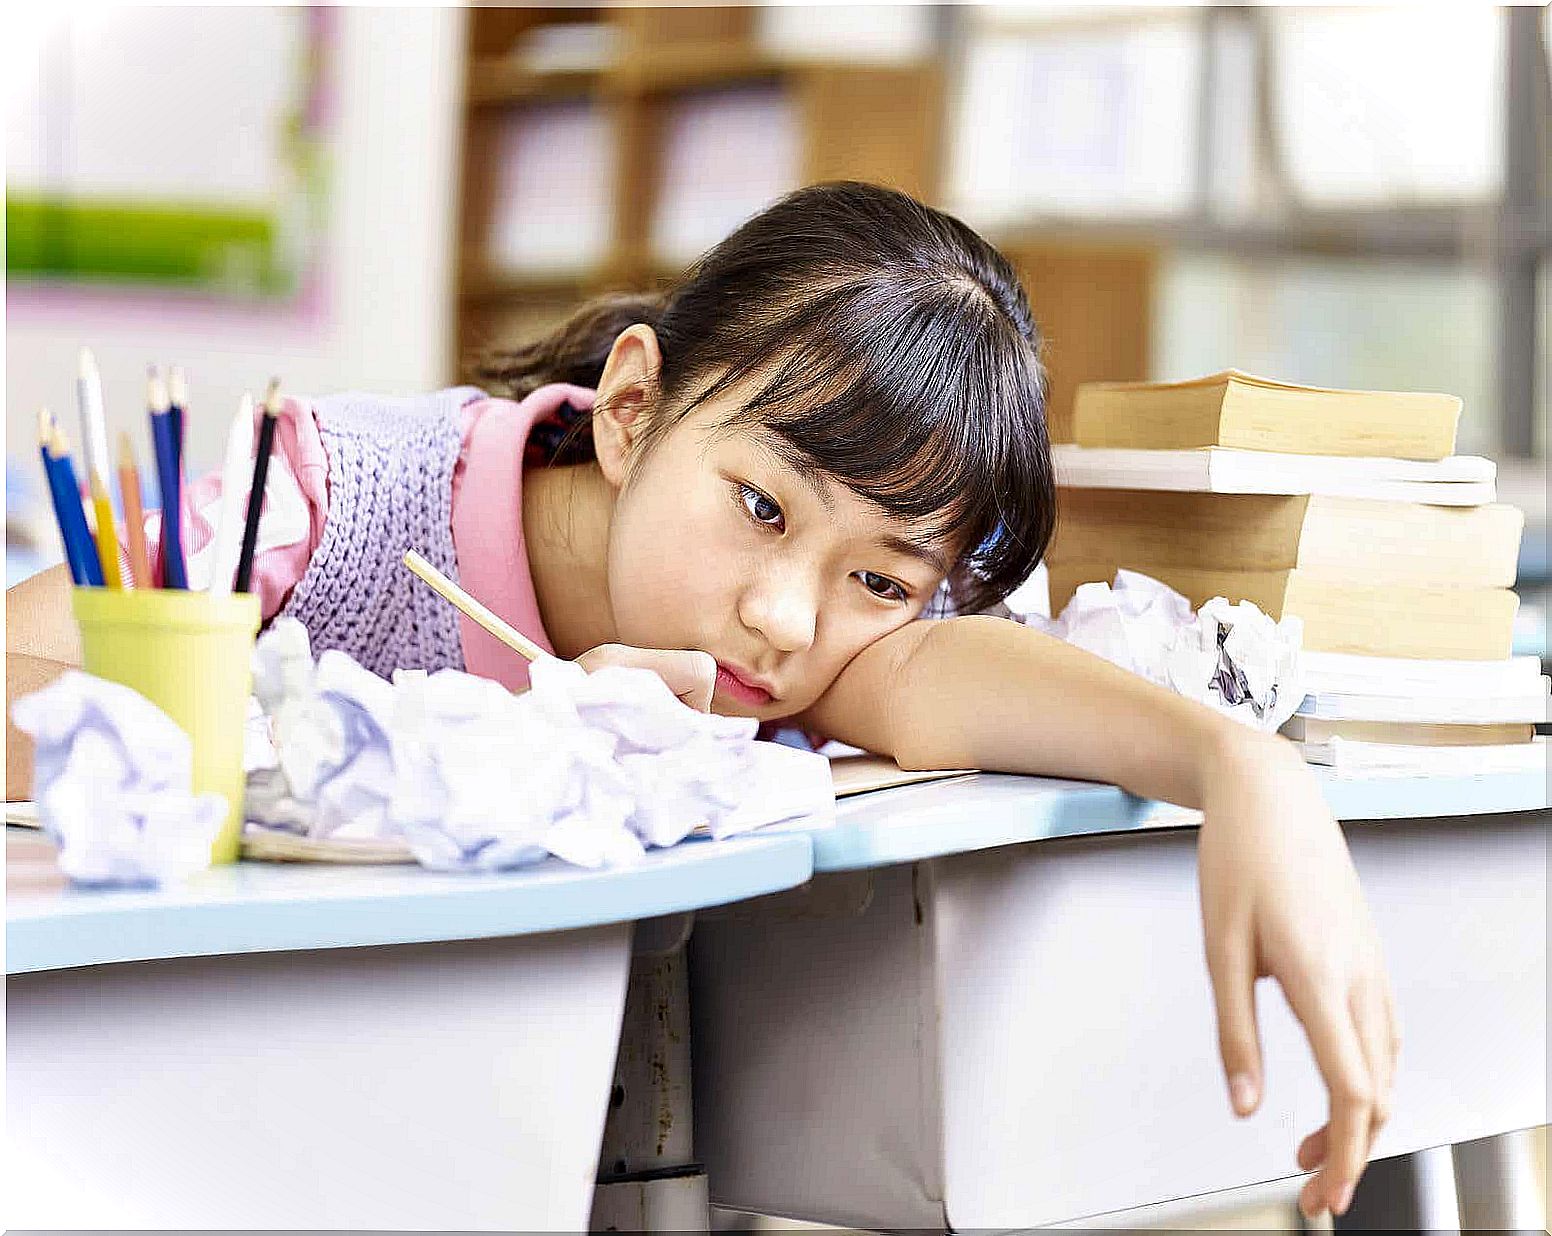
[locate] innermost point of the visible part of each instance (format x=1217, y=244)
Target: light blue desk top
x=259, y=907
x=982, y=810
x=255, y=907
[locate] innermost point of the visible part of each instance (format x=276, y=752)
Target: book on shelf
x=1375, y=541
x=1408, y=733
x=1236, y=409
x=1346, y=758
x=1339, y=614
x=1459, y=480
x=1527, y=707
x=1345, y=673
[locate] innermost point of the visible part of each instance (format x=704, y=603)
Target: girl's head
x=836, y=408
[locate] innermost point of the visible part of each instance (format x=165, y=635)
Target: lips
x=743, y=686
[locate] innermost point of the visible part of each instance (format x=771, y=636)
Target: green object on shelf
x=207, y=248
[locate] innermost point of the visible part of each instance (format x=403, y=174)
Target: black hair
x=892, y=348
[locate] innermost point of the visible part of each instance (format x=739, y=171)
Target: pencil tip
x=126, y=450
x=45, y=427
x=177, y=385
x=156, y=391
x=88, y=364
x=272, y=397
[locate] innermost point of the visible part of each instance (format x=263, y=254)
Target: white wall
x=386, y=322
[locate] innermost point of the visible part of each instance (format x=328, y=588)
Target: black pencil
x=256, y=493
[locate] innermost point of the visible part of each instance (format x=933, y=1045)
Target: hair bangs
x=910, y=403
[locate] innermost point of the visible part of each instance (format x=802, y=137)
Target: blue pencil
x=164, y=440
x=80, y=553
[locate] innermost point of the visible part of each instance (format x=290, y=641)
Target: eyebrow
x=912, y=549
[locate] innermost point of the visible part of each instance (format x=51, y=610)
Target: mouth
x=745, y=688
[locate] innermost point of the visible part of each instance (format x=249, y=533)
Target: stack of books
x=1346, y=509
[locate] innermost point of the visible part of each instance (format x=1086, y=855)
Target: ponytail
x=574, y=352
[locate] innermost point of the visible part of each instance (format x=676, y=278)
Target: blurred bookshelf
x=605, y=148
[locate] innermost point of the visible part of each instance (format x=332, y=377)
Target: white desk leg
x=1496, y=1180
x=1411, y=1192
x=648, y=1177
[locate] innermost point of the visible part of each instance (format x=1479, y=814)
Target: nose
x=781, y=603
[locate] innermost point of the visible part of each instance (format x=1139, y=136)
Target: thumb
x=690, y=674
x=1232, y=967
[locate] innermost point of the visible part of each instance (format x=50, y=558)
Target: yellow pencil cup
x=189, y=653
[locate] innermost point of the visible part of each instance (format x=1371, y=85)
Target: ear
x=626, y=394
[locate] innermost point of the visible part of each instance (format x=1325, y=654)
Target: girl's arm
x=1279, y=893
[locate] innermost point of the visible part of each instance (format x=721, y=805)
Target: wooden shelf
x=860, y=121
x=497, y=80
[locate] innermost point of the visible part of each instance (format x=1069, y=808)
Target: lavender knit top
x=391, y=465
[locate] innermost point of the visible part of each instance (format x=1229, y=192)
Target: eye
x=760, y=507
x=882, y=586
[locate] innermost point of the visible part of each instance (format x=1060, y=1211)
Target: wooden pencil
x=134, y=515
x=170, y=546
x=94, y=459
x=472, y=609
x=226, y=548
x=250, y=538
x=70, y=534
x=75, y=512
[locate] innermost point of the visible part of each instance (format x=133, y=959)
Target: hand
x=691, y=675
x=1280, y=898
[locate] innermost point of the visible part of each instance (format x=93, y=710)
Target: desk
x=991, y=1008
x=330, y=1047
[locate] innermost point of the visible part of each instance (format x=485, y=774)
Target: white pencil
x=467, y=605
x=94, y=431
x=236, y=474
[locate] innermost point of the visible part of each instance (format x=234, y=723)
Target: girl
x=757, y=484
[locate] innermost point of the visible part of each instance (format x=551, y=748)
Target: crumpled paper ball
x=113, y=778
x=593, y=768
x=1233, y=658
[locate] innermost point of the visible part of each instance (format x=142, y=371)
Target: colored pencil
x=250, y=539
x=75, y=553
x=170, y=549
x=134, y=516
x=94, y=450
x=74, y=518
x=470, y=608
x=177, y=401
x=227, y=546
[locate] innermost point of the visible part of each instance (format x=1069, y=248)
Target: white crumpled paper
x=113, y=779
x=1230, y=657
x=593, y=768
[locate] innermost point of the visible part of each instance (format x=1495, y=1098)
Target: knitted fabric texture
x=391, y=467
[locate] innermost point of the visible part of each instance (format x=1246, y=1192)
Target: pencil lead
x=272, y=398
x=177, y=386
x=45, y=427
x=87, y=366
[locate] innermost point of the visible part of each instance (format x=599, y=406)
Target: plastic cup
x=189, y=653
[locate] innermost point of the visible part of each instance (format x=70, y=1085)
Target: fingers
x=1370, y=1006
x=690, y=674
x=1339, y=1053
x=1231, y=964
x=1312, y=1150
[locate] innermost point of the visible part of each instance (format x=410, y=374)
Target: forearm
x=981, y=692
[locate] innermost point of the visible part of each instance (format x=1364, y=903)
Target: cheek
x=673, y=562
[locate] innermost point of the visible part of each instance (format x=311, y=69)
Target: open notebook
x=852, y=774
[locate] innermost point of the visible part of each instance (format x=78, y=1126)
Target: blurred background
x=366, y=197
